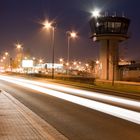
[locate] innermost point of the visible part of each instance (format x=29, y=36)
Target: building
x=109, y=31
x=130, y=72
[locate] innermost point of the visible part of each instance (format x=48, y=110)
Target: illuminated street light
x=67, y=64
x=79, y=62
x=6, y=57
x=3, y=57
x=40, y=61
x=74, y=63
x=49, y=26
x=61, y=60
x=96, y=13
x=97, y=61
x=87, y=65
x=72, y=35
x=19, y=46
x=6, y=53
x=19, y=54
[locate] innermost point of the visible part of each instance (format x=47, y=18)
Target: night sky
x=20, y=22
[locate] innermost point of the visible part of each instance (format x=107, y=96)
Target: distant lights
x=6, y=53
x=61, y=60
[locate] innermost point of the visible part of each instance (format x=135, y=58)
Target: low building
x=130, y=72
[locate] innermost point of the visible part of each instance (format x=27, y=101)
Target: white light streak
x=89, y=94
x=126, y=114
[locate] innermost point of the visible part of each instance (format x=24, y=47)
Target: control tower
x=109, y=31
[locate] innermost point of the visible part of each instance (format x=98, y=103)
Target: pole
x=108, y=59
x=11, y=63
x=113, y=74
x=68, y=55
x=53, y=29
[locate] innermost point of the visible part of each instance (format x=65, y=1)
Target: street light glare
x=40, y=61
x=97, y=61
x=18, y=46
x=61, y=59
x=96, y=13
x=73, y=34
x=47, y=24
x=4, y=57
x=6, y=53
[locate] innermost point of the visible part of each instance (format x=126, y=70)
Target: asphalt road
x=74, y=121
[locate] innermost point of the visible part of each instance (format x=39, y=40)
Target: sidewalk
x=17, y=122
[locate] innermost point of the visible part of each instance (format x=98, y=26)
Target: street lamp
x=19, y=46
x=40, y=61
x=61, y=60
x=97, y=61
x=49, y=26
x=70, y=35
x=4, y=57
x=6, y=53
x=19, y=53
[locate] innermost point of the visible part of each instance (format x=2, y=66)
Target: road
x=76, y=122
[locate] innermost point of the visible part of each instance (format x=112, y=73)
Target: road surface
x=76, y=122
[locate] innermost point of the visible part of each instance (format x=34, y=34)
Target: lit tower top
x=109, y=25
x=109, y=31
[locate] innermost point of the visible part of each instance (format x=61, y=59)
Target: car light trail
x=126, y=114
x=94, y=95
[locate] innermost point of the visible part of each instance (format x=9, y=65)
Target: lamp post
x=49, y=25
x=6, y=55
x=19, y=49
x=19, y=46
x=61, y=60
x=70, y=35
x=40, y=61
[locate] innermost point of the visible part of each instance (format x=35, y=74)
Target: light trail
x=94, y=95
x=122, y=113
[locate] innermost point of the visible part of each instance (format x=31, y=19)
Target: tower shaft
x=109, y=59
